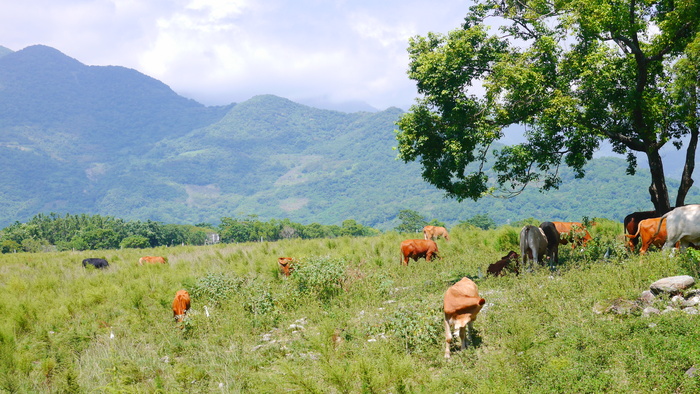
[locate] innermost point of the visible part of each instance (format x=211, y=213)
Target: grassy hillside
x=353, y=320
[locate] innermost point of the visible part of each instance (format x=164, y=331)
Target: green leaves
x=573, y=72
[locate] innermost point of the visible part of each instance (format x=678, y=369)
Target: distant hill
x=112, y=141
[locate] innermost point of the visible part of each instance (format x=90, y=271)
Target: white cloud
x=223, y=51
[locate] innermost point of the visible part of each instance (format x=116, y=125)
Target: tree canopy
x=573, y=73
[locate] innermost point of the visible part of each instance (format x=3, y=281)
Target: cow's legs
x=463, y=337
x=448, y=339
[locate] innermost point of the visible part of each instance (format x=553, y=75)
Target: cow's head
x=510, y=256
x=286, y=265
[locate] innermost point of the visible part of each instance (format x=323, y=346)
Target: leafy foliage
x=411, y=221
x=574, y=73
x=322, y=277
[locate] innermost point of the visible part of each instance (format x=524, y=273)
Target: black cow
x=550, y=230
x=95, y=262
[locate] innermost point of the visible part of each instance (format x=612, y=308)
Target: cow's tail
x=658, y=228
x=633, y=236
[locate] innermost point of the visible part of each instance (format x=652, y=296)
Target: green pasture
x=350, y=319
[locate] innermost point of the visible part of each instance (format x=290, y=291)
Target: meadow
x=350, y=319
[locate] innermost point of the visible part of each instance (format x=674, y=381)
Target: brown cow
x=433, y=232
x=496, y=269
x=153, y=260
x=181, y=304
x=630, y=225
x=573, y=232
x=462, y=304
x=646, y=230
x=417, y=248
x=287, y=265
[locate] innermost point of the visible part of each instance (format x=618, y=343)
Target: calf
x=461, y=305
x=286, y=264
x=496, y=269
x=418, y=248
x=95, y=262
x=181, y=304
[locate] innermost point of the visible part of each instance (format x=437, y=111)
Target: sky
x=219, y=52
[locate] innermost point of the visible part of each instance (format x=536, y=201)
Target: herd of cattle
x=181, y=303
x=679, y=227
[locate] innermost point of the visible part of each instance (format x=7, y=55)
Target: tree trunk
x=657, y=189
x=687, y=177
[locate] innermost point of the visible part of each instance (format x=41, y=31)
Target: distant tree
x=436, y=222
x=411, y=221
x=135, y=241
x=10, y=246
x=482, y=221
x=313, y=230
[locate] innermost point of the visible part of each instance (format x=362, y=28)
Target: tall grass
x=350, y=319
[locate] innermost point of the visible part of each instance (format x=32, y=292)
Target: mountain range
x=112, y=141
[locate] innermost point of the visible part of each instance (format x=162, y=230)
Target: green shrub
x=416, y=326
x=215, y=287
x=322, y=277
x=507, y=238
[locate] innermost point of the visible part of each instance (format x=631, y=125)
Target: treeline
x=91, y=232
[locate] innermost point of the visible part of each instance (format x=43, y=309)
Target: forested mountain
x=112, y=141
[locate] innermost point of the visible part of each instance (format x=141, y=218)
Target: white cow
x=533, y=243
x=462, y=304
x=682, y=225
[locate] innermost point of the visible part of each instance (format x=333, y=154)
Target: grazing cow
x=433, y=232
x=573, y=232
x=153, y=260
x=646, y=231
x=95, y=262
x=553, y=239
x=286, y=265
x=417, y=248
x=533, y=243
x=462, y=304
x=682, y=225
x=496, y=269
x=181, y=304
x=631, y=223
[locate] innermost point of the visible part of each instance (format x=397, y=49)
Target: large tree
x=572, y=73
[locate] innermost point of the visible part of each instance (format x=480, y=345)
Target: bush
x=215, y=287
x=321, y=276
x=507, y=238
x=416, y=325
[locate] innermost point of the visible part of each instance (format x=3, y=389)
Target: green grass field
x=350, y=319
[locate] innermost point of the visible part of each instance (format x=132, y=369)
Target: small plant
x=215, y=287
x=320, y=276
x=416, y=325
x=690, y=262
x=507, y=238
